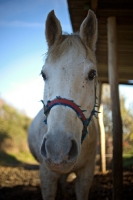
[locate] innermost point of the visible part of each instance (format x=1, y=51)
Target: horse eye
x=43, y=75
x=92, y=74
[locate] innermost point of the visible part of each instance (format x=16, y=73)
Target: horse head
x=70, y=74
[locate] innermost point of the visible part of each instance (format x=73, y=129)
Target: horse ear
x=88, y=30
x=53, y=28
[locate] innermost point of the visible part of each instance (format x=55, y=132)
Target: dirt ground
x=22, y=183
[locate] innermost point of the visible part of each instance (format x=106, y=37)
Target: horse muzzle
x=59, y=150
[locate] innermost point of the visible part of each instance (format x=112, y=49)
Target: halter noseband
x=70, y=103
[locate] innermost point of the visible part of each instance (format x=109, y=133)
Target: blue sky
x=22, y=49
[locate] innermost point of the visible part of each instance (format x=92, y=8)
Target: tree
x=127, y=115
x=13, y=130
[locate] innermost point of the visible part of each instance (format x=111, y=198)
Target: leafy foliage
x=127, y=119
x=126, y=113
x=13, y=133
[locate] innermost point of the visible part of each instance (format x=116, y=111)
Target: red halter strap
x=65, y=102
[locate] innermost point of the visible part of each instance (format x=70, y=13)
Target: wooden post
x=102, y=140
x=117, y=123
x=101, y=131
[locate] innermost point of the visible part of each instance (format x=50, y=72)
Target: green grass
x=19, y=158
x=128, y=161
x=25, y=157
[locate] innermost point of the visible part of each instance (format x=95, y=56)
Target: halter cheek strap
x=70, y=103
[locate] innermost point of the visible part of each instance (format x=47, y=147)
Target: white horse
x=58, y=136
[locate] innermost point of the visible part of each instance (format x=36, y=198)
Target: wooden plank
x=117, y=122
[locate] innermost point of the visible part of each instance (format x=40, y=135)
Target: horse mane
x=64, y=43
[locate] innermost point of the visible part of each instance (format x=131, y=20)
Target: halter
x=70, y=103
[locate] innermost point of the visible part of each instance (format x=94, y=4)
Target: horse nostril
x=43, y=149
x=49, y=151
x=73, y=151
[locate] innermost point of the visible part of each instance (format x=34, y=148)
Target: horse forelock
x=65, y=42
